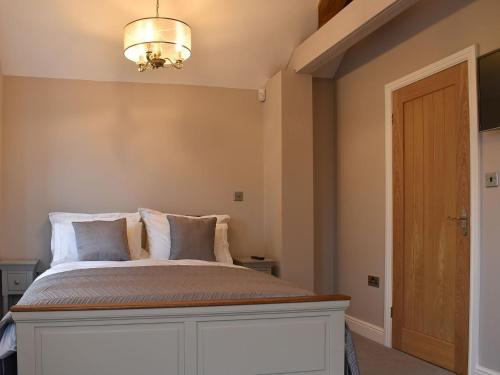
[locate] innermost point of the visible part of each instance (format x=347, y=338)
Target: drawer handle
x=17, y=282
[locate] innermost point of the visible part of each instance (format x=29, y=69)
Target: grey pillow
x=192, y=238
x=102, y=240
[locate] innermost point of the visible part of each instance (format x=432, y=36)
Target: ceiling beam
x=348, y=27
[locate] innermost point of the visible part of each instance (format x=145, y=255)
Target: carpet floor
x=376, y=359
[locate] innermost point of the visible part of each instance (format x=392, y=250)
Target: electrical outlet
x=238, y=196
x=491, y=179
x=373, y=281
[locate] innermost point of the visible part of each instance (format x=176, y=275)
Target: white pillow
x=63, y=242
x=221, y=244
x=158, y=232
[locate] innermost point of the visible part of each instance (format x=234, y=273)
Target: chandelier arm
x=175, y=64
x=157, y=8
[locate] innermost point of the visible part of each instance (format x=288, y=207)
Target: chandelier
x=157, y=42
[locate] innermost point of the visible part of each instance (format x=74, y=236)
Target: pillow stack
x=118, y=237
x=64, y=246
x=159, y=234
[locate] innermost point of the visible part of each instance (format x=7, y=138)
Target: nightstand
x=17, y=276
x=266, y=265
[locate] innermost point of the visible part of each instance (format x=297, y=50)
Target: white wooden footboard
x=289, y=338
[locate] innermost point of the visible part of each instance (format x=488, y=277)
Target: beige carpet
x=375, y=359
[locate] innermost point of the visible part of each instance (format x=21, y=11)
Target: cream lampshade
x=157, y=42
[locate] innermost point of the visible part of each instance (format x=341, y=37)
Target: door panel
x=431, y=247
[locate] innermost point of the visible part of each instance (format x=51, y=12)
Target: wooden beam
x=329, y=8
x=359, y=19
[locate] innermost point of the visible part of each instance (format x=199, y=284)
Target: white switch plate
x=491, y=179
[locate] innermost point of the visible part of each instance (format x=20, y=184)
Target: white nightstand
x=265, y=265
x=17, y=276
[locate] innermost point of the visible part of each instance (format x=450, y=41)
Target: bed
x=67, y=325
x=184, y=308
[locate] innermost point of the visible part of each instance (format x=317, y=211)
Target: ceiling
x=236, y=43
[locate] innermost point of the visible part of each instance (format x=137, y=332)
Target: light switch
x=373, y=281
x=491, y=179
x=238, y=196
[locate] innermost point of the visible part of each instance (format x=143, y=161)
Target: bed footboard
x=288, y=338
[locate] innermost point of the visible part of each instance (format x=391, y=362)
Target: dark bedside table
x=17, y=276
x=266, y=265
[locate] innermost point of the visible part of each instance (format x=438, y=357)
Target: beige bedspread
x=155, y=284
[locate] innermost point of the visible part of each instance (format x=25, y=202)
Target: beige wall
x=272, y=157
x=297, y=161
x=324, y=183
x=288, y=170
x=100, y=146
x=429, y=31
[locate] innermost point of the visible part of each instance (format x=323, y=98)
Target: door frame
x=468, y=55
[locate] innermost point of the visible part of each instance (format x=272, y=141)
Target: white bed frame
x=303, y=338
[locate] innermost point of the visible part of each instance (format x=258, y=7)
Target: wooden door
x=431, y=209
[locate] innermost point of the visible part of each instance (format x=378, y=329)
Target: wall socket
x=491, y=179
x=373, y=281
x=238, y=196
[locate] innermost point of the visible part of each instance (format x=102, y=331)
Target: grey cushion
x=192, y=238
x=102, y=240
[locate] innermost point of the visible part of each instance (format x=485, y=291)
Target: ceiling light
x=157, y=42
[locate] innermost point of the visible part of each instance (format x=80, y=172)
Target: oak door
x=431, y=219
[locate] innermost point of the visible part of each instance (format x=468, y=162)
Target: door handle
x=462, y=221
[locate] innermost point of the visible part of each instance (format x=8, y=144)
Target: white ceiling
x=236, y=43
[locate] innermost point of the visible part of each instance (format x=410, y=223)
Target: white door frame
x=468, y=55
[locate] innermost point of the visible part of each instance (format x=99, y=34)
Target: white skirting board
x=480, y=370
x=368, y=330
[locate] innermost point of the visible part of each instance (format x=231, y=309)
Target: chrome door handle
x=462, y=221
x=457, y=219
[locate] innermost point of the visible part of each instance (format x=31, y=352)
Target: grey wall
x=489, y=329
x=1, y=143
x=324, y=183
x=427, y=32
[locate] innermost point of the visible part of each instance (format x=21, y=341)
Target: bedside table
x=17, y=276
x=265, y=265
